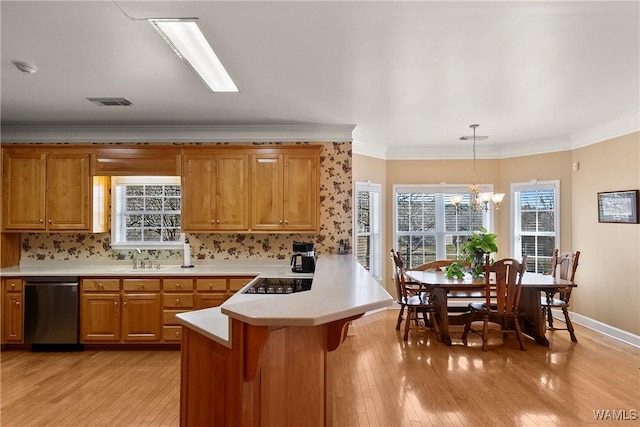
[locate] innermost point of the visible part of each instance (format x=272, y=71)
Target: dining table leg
x=442, y=314
x=531, y=311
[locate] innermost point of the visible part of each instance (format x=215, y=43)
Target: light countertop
x=341, y=288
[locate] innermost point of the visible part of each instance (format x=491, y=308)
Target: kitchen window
x=427, y=225
x=367, y=238
x=536, y=216
x=146, y=212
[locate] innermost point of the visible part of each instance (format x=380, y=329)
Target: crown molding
x=613, y=129
x=370, y=150
x=168, y=133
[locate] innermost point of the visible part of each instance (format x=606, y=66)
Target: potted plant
x=474, y=249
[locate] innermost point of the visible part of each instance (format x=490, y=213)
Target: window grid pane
x=428, y=227
x=537, y=215
x=148, y=213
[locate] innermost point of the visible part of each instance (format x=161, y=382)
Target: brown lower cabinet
x=133, y=310
x=13, y=311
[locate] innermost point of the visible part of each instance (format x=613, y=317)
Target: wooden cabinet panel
x=140, y=285
x=212, y=284
x=232, y=192
x=13, y=285
x=215, y=191
x=13, y=311
x=266, y=192
x=141, y=317
x=51, y=190
x=209, y=300
x=100, y=317
x=68, y=191
x=198, y=192
x=13, y=317
x=285, y=190
x=177, y=285
x=169, y=316
x=24, y=184
x=301, y=201
x=100, y=285
x=177, y=300
x=237, y=283
x=172, y=333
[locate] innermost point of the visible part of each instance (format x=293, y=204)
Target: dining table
x=443, y=289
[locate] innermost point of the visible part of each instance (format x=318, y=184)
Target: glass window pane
x=134, y=204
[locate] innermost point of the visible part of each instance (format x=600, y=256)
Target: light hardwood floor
x=378, y=380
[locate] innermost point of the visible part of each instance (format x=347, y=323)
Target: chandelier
x=477, y=200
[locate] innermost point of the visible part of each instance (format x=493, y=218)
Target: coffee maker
x=303, y=259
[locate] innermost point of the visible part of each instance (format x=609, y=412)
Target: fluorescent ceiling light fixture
x=188, y=42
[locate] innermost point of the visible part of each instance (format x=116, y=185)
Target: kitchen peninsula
x=262, y=359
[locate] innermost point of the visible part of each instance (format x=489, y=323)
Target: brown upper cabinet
x=135, y=161
x=285, y=193
x=52, y=190
x=215, y=190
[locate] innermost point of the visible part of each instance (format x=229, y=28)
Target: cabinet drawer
x=169, y=316
x=178, y=300
x=13, y=285
x=172, y=333
x=137, y=285
x=100, y=285
x=212, y=284
x=237, y=283
x=177, y=285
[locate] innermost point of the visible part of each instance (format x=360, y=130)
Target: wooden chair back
x=508, y=274
x=398, y=275
x=564, y=265
x=434, y=265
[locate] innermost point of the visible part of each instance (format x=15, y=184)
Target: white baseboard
x=601, y=328
x=587, y=322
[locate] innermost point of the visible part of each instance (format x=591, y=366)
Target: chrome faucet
x=135, y=259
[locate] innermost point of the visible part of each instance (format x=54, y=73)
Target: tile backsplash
x=335, y=224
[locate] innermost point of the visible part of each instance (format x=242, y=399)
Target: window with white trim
x=536, y=222
x=427, y=225
x=367, y=228
x=146, y=212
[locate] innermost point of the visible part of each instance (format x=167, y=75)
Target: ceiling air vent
x=111, y=102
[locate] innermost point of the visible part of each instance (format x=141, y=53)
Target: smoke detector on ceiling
x=111, y=102
x=26, y=68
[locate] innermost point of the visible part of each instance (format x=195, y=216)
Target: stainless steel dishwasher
x=51, y=312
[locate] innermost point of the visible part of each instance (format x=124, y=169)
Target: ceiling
x=410, y=76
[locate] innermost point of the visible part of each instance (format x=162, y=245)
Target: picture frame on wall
x=618, y=206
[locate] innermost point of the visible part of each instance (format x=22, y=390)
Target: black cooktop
x=279, y=286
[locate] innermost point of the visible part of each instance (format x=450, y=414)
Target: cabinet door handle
x=210, y=285
x=41, y=220
x=177, y=285
x=124, y=303
x=13, y=285
x=100, y=286
x=177, y=300
x=140, y=285
x=17, y=302
x=286, y=221
x=49, y=221
x=217, y=221
x=279, y=221
x=115, y=303
x=177, y=334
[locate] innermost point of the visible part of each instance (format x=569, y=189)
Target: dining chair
x=413, y=300
x=412, y=287
x=502, y=298
x=564, y=267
